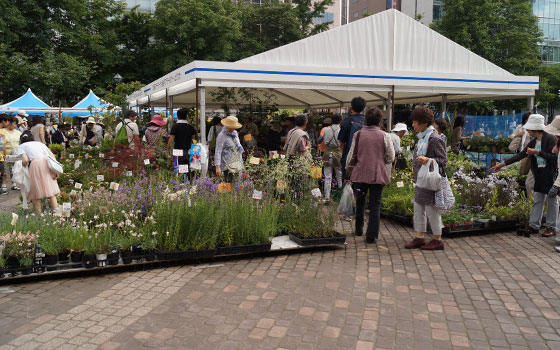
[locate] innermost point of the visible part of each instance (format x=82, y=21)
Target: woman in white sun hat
x=544, y=165
x=399, y=130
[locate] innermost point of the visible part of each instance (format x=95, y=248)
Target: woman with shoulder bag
x=430, y=148
x=43, y=182
x=521, y=139
x=332, y=156
x=372, y=149
x=228, y=156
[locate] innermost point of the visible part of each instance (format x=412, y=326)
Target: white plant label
x=114, y=186
x=183, y=168
x=71, y=155
x=101, y=155
x=128, y=173
x=115, y=165
x=100, y=178
x=316, y=192
x=78, y=186
x=400, y=184
x=77, y=164
x=146, y=161
x=257, y=194
x=14, y=219
x=177, y=153
x=254, y=160
x=73, y=193
x=67, y=206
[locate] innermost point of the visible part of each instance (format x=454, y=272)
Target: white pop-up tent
x=385, y=58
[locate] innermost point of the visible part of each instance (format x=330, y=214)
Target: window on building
x=356, y=14
x=364, y=11
x=327, y=17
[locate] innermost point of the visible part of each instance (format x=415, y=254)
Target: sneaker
x=3, y=190
x=416, y=243
x=549, y=232
x=557, y=248
x=433, y=245
x=15, y=188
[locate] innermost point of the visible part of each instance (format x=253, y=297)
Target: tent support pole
x=391, y=102
x=443, y=105
x=202, y=90
x=170, y=114
x=196, y=123
x=530, y=103
x=167, y=101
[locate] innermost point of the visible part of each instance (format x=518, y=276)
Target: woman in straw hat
x=544, y=165
x=228, y=157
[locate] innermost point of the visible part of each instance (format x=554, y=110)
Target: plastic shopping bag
x=346, y=206
x=429, y=177
x=444, y=196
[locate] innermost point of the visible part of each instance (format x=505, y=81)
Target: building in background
x=145, y=6
x=422, y=9
x=548, y=12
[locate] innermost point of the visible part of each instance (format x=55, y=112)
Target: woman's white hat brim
x=554, y=127
x=535, y=122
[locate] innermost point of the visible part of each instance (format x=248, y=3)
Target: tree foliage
x=505, y=32
x=61, y=49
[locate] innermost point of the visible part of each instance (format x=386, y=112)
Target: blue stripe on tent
x=355, y=76
x=147, y=90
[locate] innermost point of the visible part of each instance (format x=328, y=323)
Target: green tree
x=266, y=27
x=187, y=30
x=307, y=10
x=505, y=32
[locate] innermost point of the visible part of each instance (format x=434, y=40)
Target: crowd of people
x=355, y=150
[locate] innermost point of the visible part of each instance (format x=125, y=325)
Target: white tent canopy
x=369, y=57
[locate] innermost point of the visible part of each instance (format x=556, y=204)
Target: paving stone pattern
x=496, y=291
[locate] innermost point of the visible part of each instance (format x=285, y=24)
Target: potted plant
x=77, y=247
x=90, y=260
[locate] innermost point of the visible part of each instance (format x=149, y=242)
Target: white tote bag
x=444, y=196
x=55, y=166
x=429, y=177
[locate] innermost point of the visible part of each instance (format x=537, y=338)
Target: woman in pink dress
x=43, y=181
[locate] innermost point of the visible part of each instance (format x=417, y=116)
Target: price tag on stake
x=101, y=155
x=183, y=168
x=67, y=206
x=14, y=219
x=400, y=184
x=128, y=173
x=77, y=164
x=100, y=178
x=115, y=165
x=316, y=192
x=71, y=155
x=257, y=194
x=146, y=162
x=78, y=186
x=73, y=193
x=177, y=153
x=254, y=160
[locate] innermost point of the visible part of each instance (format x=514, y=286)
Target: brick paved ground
x=497, y=291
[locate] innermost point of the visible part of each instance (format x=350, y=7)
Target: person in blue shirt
x=349, y=126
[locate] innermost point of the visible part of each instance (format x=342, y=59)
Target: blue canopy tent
x=82, y=108
x=28, y=102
